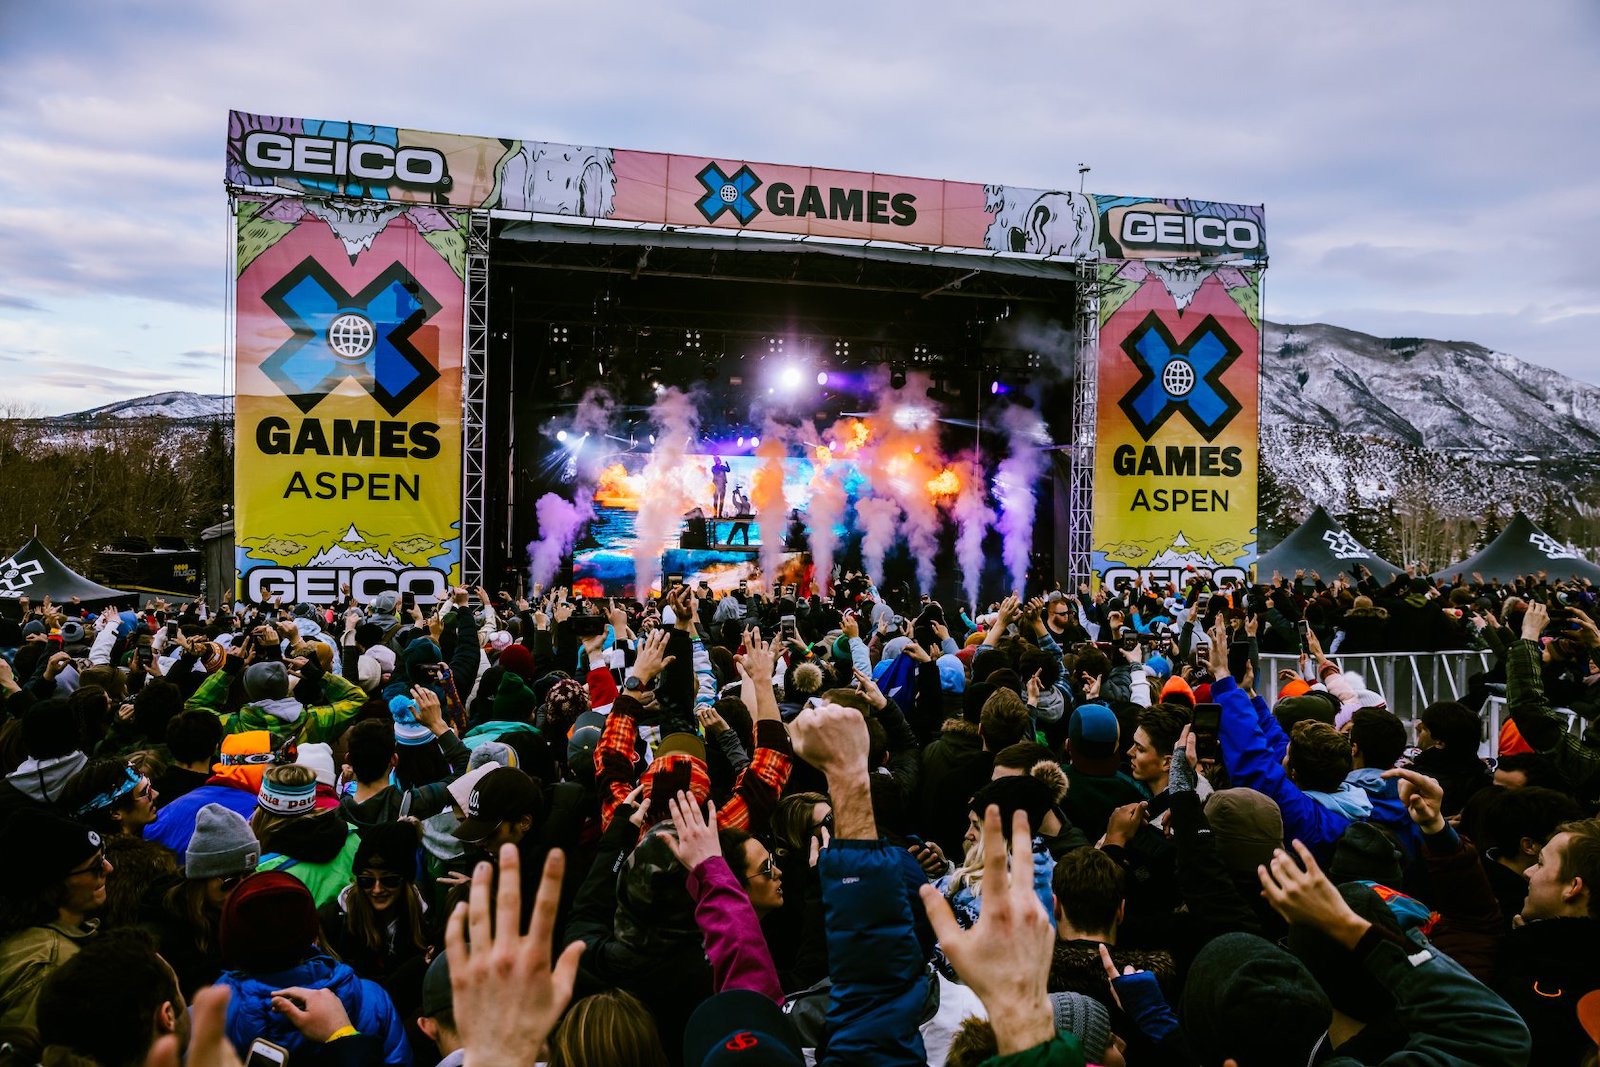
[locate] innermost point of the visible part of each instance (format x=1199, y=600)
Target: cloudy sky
x=1428, y=168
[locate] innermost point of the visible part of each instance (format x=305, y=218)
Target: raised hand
x=652, y=657
x=1304, y=896
x=1005, y=956
x=1534, y=620
x=507, y=997
x=1423, y=798
x=869, y=689
x=832, y=739
x=697, y=834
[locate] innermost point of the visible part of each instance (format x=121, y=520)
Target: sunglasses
x=768, y=869
x=95, y=865
x=379, y=881
x=230, y=882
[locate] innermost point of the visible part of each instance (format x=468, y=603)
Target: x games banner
x=348, y=408
x=1176, y=443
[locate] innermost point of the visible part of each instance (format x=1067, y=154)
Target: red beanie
x=518, y=660
x=1202, y=693
x=1177, y=691
x=269, y=923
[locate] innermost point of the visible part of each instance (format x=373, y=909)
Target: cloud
x=1405, y=187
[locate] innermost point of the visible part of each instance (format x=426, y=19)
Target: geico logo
x=320, y=585
x=1121, y=579
x=367, y=160
x=1200, y=231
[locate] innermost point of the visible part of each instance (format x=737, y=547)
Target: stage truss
x=1080, y=494
x=474, y=401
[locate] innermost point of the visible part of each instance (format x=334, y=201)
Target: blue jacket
x=174, y=824
x=1249, y=756
x=880, y=978
x=250, y=1013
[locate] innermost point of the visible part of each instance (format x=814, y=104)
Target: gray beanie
x=222, y=844
x=266, y=681
x=385, y=603
x=1086, y=1019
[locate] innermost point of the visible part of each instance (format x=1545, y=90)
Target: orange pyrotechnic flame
x=944, y=485
x=617, y=488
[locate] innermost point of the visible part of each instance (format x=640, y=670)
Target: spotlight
x=561, y=435
x=740, y=442
x=652, y=438
x=822, y=377
x=789, y=377
x=998, y=388
x=897, y=376
x=755, y=442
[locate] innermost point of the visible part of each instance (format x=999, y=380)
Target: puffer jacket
x=319, y=850
x=250, y=1013
x=314, y=723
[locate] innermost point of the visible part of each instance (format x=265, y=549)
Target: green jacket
x=1530, y=710
x=1064, y=1051
x=342, y=700
x=323, y=879
x=30, y=956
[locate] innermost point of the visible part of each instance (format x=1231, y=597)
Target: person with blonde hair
x=612, y=1027
x=316, y=847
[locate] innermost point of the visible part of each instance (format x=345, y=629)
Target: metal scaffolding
x=474, y=400
x=1080, y=502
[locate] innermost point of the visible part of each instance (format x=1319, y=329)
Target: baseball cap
x=740, y=1028
x=504, y=793
x=437, y=998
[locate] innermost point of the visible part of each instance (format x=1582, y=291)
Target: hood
x=43, y=780
x=1381, y=614
x=1349, y=800
x=1373, y=783
x=317, y=838
x=421, y=652
x=284, y=709
x=250, y=1010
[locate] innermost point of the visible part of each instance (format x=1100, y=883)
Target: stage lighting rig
x=897, y=375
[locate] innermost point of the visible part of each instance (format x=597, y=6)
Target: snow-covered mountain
x=172, y=405
x=1440, y=395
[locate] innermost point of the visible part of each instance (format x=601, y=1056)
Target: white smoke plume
x=559, y=522
x=973, y=517
x=879, y=517
x=561, y=519
x=772, y=508
x=669, y=485
x=1016, y=483
x=822, y=517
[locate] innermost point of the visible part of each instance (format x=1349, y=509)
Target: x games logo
x=365, y=337
x=1180, y=379
x=728, y=194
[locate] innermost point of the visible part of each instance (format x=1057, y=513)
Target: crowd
x=855, y=829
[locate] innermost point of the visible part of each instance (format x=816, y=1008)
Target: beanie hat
x=1365, y=853
x=1084, y=1018
x=319, y=757
x=974, y=698
x=1247, y=828
x=513, y=701
x=563, y=703
x=385, y=602
x=1202, y=693
x=1006, y=678
x=1238, y=980
x=369, y=634
x=1177, y=691
x=1094, y=723
x=1011, y=794
x=281, y=798
x=34, y=628
x=1158, y=666
x=1294, y=687
x=516, y=659
x=807, y=680
x=952, y=674
x=1340, y=972
x=1288, y=712
x=668, y=775
x=369, y=673
x=266, y=681
x=407, y=730
x=71, y=632
x=687, y=743
x=500, y=640
x=269, y=923
x=493, y=754
x=1051, y=706
x=42, y=848
x=223, y=844
x=390, y=846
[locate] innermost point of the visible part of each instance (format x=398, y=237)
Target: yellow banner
x=1176, y=434
x=347, y=417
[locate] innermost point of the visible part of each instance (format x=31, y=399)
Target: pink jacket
x=735, y=945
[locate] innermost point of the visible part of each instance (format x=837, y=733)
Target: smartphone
x=786, y=626
x=588, y=625
x=1207, y=723
x=269, y=651
x=744, y=586
x=1159, y=803
x=264, y=1053
x=1304, y=627
x=1129, y=642
x=789, y=591
x=674, y=581
x=172, y=629
x=408, y=600
x=1238, y=658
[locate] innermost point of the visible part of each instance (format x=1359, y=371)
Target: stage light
x=740, y=442
x=561, y=435
x=755, y=442
x=658, y=387
x=997, y=389
x=789, y=377
x=822, y=377
x=897, y=376
x=912, y=417
x=652, y=438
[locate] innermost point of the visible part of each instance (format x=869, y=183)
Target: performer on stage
x=741, y=516
x=719, y=483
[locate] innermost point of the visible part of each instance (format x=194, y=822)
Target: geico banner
x=347, y=418
x=1179, y=406
x=401, y=165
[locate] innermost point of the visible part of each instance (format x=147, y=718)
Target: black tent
x=35, y=572
x=1522, y=548
x=1320, y=544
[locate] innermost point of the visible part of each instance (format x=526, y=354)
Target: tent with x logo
x=1320, y=544
x=1521, y=549
x=33, y=571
